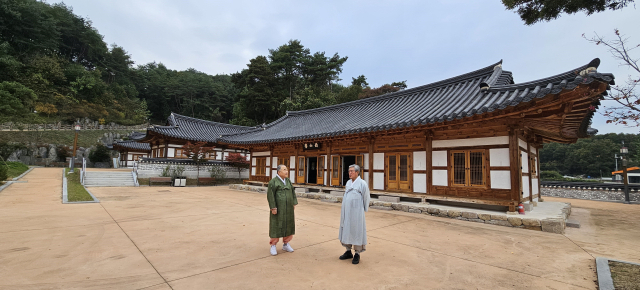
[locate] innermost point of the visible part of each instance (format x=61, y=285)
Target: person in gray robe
x=353, y=228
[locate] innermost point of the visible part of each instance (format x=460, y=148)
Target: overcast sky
x=417, y=41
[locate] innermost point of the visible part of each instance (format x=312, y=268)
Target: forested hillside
x=591, y=156
x=55, y=66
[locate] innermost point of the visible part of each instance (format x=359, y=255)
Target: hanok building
x=131, y=151
x=166, y=142
x=472, y=138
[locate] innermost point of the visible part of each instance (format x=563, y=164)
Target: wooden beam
x=372, y=143
x=429, y=148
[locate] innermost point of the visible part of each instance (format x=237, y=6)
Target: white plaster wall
x=268, y=162
x=274, y=173
x=534, y=187
x=501, y=179
x=522, y=143
x=129, y=157
x=275, y=162
x=326, y=182
x=263, y=153
x=378, y=180
x=420, y=182
x=253, y=161
x=471, y=142
x=420, y=160
x=225, y=154
x=171, y=152
x=525, y=162
x=326, y=162
x=439, y=158
x=253, y=171
x=499, y=157
x=292, y=162
x=525, y=186
x=365, y=162
x=440, y=178
x=366, y=176
x=378, y=163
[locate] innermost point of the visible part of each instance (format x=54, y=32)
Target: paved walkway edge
x=6, y=184
x=605, y=282
x=65, y=196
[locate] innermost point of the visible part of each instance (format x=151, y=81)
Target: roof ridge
x=561, y=76
x=433, y=85
x=210, y=122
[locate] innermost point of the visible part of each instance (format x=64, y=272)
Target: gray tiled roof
x=187, y=128
x=446, y=100
x=134, y=145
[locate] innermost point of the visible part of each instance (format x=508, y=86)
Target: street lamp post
x=75, y=147
x=624, y=151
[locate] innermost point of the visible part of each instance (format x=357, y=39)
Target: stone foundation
x=552, y=225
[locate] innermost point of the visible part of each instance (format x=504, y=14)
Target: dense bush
x=100, y=154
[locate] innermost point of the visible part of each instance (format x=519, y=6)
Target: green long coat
x=283, y=198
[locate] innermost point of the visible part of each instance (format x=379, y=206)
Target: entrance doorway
x=346, y=162
x=312, y=172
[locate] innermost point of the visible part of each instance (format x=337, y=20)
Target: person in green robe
x=282, y=202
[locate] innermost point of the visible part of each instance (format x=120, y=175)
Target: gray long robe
x=353, y=228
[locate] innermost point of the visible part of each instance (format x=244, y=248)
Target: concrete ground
x=216, y=238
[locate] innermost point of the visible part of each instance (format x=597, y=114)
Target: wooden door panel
x=300, y=169
x=335, y=170
x=320, y=167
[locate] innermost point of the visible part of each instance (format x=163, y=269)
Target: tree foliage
x=590, y=157
x=238, y=161
x=533, y=11
x=626, y=108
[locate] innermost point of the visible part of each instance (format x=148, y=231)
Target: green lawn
x=15, y=169
x=75, y=190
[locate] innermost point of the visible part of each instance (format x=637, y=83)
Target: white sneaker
x=274, y=251
x=287, y=248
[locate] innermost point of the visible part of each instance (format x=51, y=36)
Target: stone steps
x=108, y=179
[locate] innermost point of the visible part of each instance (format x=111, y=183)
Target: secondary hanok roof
x=481, y=91
x=132, y=145
x=192, y=129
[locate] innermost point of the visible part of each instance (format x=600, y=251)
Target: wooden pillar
x=251, y=176
x=329, y=164
x=539, y=185
x=295, y=173
x=270, y=163
x=429, y=148
x=372, y=143
x=166, y=149
x=514, y=161
x=530, y=173
x=126, y=159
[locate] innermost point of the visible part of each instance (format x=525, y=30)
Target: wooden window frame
x=261, y=166
x=467, y=168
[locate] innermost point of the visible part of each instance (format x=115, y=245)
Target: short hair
x=280, y=167
x=356, y=167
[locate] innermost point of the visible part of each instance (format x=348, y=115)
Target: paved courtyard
x=216, y=238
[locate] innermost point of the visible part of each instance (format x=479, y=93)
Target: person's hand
x=274, y=211
x=294, y=206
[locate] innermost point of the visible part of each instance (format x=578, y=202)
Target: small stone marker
x=573, y=224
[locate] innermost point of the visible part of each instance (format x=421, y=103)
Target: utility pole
x=624, y=151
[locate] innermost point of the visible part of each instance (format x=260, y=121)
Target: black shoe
x=346, y=255
x=356, y=259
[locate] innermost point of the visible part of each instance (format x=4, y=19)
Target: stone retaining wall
x=591, y=194
x=553, y=225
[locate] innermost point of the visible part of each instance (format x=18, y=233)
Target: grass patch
x=16, y=168
x=75, y=190
x=86, y=138
x=625, y=276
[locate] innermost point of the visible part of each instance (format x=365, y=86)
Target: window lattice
x=475, y=168
x=404, y=168
x=392, y=167
x=459, y=170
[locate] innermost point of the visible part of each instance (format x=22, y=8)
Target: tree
x=197, y=152
x=238, y=161
x=100, y=154
x=626, y=110
x=533, y=11
x=16, y=101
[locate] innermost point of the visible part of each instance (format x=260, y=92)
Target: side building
x=165, y=145
x=474, y=138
